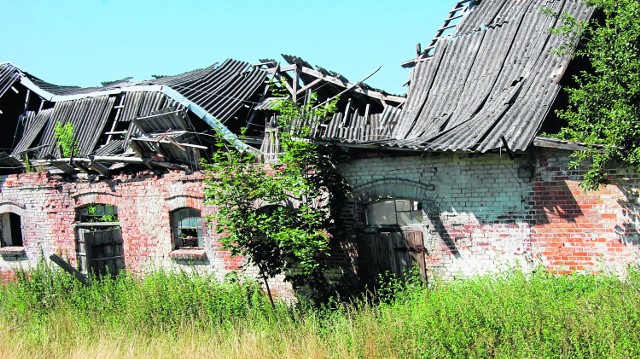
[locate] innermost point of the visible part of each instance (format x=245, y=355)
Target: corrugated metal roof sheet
x=497, y=77
x=222, y=91
x=111, y=148
x=33, y=127
x=9, y=74
x=357, y=128
x=163, y=121
x=172, y=146
x=215, y=93
x=88, y=117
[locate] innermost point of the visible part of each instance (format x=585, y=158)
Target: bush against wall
x=278, y=215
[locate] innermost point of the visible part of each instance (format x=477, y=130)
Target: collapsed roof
x=167, y=121
x=487, y=81
x=487, y=85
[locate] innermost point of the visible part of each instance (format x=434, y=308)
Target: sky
x=84, y=42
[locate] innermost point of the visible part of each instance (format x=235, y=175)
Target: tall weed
x=174, y=314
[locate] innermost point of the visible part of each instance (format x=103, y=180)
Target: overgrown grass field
x=169, y=315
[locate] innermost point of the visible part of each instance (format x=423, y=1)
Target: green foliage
x=571, y=29
x=161, y=301
x=27, y=164
x=278, y=215
x=513, y=315
x=97, y=214
x=64, y=138
x=604, y=106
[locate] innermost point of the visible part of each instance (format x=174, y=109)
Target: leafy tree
x=604, y=106
x=278, y=215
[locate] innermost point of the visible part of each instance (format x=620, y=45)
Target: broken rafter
x=309, y=86
x=116, y=119
x=64, y=166
x=138, y=160
x=100, y=168
x=458, y=12
x=353, y=86
x=277, y=71
x=335, y=81
x=178, y=144
x=95, y=163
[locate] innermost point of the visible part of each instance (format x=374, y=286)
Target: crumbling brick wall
x=580, y=230
x=483, y=214
x=489, y=213
x=47, y=205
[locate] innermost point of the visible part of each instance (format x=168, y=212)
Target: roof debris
x=169, y=121
x=487, y=81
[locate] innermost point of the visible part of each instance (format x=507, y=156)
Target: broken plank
x=100, y=168
x=69, y=269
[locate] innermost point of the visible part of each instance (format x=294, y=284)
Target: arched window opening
x=186, y=228
x=11, y=230
x=394, y=213
x=99, y=240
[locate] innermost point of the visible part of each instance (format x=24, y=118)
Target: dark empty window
x=11, y=230
x=394, y=213
x=186, y=227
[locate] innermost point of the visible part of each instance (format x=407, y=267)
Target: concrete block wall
x=489, y=213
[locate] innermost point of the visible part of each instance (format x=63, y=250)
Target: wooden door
x=100, y=251
x=391, y=252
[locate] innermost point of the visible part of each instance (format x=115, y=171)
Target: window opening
x=11, y=230
x=394, y=213
x=99, y=240
x=98, y=213
x=186, y=225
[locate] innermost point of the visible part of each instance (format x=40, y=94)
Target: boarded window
x=11, y=230
x=186, y=226
x=394, y=213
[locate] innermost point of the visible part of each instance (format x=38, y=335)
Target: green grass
x=48, y=314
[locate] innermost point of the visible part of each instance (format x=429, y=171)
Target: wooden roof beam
x=61, y=164
x=100, y=168
x=353, y=87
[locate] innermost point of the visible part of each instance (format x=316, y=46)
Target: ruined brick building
x=453, y=177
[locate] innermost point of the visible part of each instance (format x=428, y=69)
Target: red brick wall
x=580, y=230
x=489, y=213
x=144, y=201
x=485, y=214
